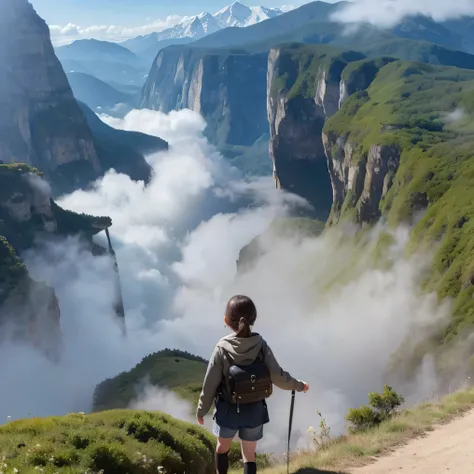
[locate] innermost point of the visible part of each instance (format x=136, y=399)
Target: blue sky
x=125, y=12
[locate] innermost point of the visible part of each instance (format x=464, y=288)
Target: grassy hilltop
x=179, y=371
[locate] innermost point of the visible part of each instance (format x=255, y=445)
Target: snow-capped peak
x=241, y=15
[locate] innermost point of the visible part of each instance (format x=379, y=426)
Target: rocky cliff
x=359, y=183
x=41, y=123
x=227, y=88
x=304, y=88
x=29, y=310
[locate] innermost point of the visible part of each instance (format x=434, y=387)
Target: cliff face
x=41, y=123
x=298, y=106
x=29, y=310
x=306, y=86
x=227, y=89
x=359, y=184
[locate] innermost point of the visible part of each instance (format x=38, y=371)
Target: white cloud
x=455, y=116
x=177, y=243
x=387, y=13
x=65, y=34
x=288, y=7
x=153, y=398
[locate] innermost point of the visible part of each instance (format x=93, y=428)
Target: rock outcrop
x=40, y=123
x=359, y=183
x=29, y=310
x=227, y=89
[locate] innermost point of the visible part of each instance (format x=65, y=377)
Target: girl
x=242, y=348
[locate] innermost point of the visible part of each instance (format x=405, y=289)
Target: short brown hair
x=240, y=314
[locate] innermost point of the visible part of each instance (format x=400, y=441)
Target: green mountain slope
x=368, y=40
x=406, y=109
x=399, y=148
x=176, y=370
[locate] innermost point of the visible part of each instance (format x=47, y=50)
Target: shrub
x=322, y=439
x=382, y=407
x=110, y=458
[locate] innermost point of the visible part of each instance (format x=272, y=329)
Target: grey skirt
x=248, y=415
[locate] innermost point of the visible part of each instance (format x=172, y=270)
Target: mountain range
x=197, y=26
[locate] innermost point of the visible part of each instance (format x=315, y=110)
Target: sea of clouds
x=177, y=242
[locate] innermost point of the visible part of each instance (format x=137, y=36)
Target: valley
x=320, y=165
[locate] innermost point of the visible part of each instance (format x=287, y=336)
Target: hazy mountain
x=122, y=150
x=104, y=60
x=99, y=95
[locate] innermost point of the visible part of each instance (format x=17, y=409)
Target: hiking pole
x=289, y=431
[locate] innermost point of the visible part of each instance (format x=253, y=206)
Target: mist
x=388, y=13
x=330, y=318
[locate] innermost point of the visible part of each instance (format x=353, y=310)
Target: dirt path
x=449, y=448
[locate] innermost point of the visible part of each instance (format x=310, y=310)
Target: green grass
x=301, y=66
x=112, y=442
x=71, y=223
x=358, y=449
x=296, y=227
x=12, y=178
x=176, y=370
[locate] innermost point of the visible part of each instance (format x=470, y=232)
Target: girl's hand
x=306, y=387
x=200, y=420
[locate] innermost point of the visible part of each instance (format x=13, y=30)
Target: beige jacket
x=241, y=351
